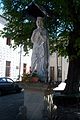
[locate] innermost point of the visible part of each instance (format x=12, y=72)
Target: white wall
x=9, y=54
x=65, y=65
x=54, y=61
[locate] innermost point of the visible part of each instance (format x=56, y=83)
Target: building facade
x=13, y=63
x=58, y=67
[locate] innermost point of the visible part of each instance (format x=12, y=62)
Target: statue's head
x=39, y=22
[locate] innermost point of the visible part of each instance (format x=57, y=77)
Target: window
x=2, y=80
x=8, y=41
x=9, y=80
x=8, y=66
x=52, y=73
x=59, y=71
x=24, y=68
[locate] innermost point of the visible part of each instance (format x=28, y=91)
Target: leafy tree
x=18, y=28
x=63, y=25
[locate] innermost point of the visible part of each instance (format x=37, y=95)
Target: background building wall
x=60, y=65
x=7, y=53
x=65, y=65
x=53, y=63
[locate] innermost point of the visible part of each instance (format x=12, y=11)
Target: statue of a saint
x=40, y=53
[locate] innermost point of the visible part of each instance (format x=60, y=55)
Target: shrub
x=26, y=77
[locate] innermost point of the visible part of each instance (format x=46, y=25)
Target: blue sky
x=0, y=7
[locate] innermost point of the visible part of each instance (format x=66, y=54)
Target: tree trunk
x=73, y=77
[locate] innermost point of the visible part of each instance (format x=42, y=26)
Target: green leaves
x=64, y=15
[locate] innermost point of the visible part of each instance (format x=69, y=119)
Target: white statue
x=40, y=53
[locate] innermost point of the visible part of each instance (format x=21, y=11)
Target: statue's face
x=39, y=23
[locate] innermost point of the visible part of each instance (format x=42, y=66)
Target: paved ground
x=9, y=106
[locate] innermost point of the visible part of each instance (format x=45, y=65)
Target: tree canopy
x=63, y=18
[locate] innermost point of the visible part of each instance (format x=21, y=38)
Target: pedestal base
x=34, y=100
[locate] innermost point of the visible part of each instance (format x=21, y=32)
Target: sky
x=0, y=8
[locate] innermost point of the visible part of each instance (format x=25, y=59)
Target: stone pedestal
x=34, y=100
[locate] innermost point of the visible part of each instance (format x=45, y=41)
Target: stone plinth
x=34, y=100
